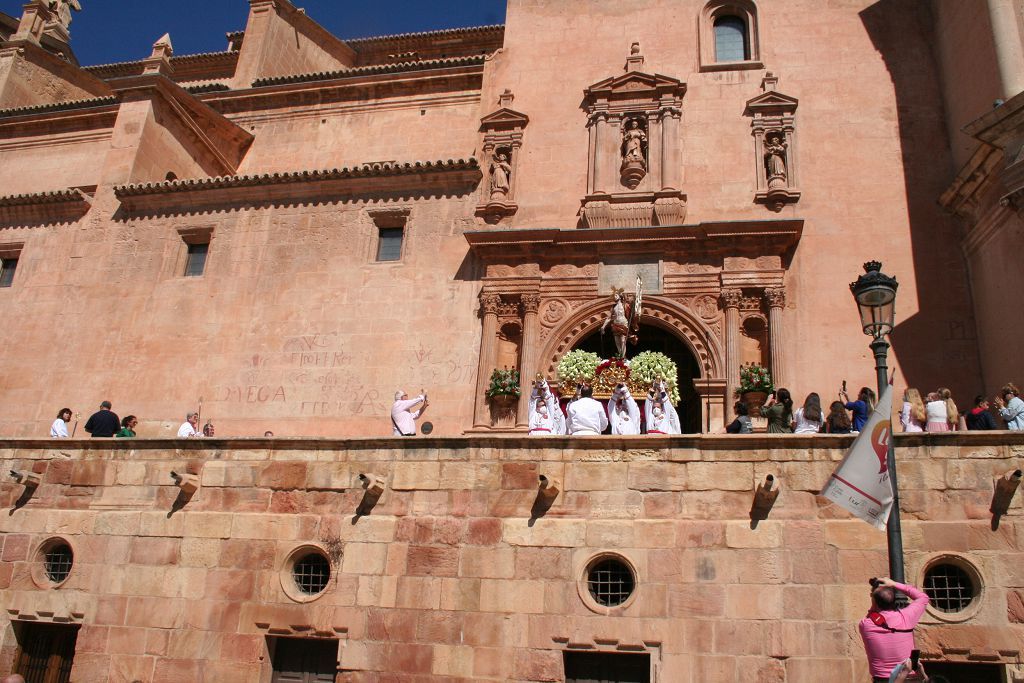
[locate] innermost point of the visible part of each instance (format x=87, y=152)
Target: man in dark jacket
x=104, y=422
x=980, y=417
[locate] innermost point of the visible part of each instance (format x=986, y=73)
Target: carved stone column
x=599, y=161
x=776, y=299
x=489, y=330
x=528, y=354
x=731, y=303
x=670, y=167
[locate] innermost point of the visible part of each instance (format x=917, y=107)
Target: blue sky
x=120, y=30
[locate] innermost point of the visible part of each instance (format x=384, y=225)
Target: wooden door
x=46, y=652
x=304, y=660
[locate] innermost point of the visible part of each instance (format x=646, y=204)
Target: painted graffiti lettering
x=252, y=394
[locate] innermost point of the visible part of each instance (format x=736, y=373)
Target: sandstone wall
x=450, y=579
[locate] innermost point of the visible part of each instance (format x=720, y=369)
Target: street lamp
x=875, y=293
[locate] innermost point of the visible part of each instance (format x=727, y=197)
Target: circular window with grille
x=608, y=584
x=54, y=561
x=306, y=573
x=953, y=586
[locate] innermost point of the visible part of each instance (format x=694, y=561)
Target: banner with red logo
x=861, y=483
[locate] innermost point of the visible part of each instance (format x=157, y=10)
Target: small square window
x=196, y=261
x=389, y=245
x=9, y=265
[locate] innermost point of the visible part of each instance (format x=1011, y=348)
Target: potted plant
x=755, y=385
x=503, y=393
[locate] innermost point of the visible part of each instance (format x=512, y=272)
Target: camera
x=875, y=583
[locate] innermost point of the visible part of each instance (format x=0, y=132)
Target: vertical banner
x=861, y=483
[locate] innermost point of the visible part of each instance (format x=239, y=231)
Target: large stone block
x=568, y=533
x=719, y=476
x=767, y=534
x=657, y=476
x=409, y=476
x=595, y=476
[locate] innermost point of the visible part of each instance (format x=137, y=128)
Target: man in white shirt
x=625, y=413
x=587, y=416
x=403, y=418
x=187, y=430
x=59, y=428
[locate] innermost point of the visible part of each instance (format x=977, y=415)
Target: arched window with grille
x=731, y=39
x=728, y=36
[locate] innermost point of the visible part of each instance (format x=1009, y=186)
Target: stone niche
x=503, y=138
x=774, y=131
x=635, y=174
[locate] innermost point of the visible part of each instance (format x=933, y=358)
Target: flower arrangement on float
x=577, y=366
x=612, y=363
x=504, y=382
x=647, y=366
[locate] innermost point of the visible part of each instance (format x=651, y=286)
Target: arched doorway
x=654, y=338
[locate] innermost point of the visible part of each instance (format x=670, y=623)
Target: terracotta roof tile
x=447, y=32
x=423, y=65
x=48, y=197
x=59, y=106
x=296, y=177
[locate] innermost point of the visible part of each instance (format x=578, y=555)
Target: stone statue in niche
x=634, y=157
x=775, y=160
x=501, y=175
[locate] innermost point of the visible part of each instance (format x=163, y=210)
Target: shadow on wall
x=937, y=346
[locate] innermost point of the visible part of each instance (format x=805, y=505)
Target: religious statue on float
x=623, y=319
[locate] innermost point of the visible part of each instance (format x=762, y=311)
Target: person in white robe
x=544, y=412
x=659, y=412
x=587, y=416
x=624, y=413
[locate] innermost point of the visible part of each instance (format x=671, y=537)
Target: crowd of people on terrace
x=586, y=416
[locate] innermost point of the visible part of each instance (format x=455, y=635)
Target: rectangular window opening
x=303, y=660
x=7, y=268
x=195, y=264
x=45, y=651
x=610, y=667
x=389, y=244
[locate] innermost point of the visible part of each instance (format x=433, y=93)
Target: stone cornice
x=43, y=207
x=355, y=72
x=771, y=236
x=687, y=447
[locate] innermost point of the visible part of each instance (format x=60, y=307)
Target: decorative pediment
x=504, y=119
x=633, y=85
x=771, y=103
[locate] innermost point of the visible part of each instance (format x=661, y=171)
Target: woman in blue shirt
x=860, y=408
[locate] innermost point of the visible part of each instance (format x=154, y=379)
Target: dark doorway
x=950, y=672
x=658, y=339
x=303, y=660
x=45, y=651
x=607, y=667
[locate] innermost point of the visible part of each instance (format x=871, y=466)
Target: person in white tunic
x=625, y=413
x=586, y=416
x=659, y=412
x=544, y=413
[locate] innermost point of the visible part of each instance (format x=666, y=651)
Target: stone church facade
x=287, y=231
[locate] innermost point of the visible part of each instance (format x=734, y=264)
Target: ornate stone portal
x=635, y=175
x=708, y=287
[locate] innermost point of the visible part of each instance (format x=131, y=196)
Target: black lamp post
x=875, y=293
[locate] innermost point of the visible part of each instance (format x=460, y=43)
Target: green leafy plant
x=577, y=366
x=504, y=382
x=648, y=366
x=754, y=377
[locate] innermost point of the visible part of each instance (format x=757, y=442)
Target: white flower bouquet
x=577, y=366
x=648, y=366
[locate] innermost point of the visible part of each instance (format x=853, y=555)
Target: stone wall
x=456, y=575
